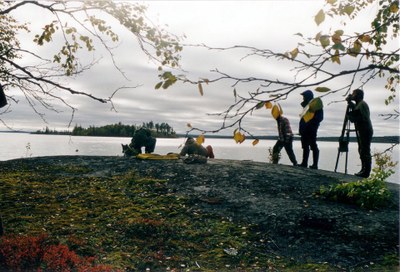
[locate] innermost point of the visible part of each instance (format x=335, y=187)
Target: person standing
x=359, y=115
x=308, y=128
x=285, y=140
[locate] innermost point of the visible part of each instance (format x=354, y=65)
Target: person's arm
x=184, y=151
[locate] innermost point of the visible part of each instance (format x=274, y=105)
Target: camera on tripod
x=344, y=138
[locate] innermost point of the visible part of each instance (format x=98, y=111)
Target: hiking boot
x=315, y=159
x=359, y=172
x=362, y=174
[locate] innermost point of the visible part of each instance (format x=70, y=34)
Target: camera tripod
x=344, y=140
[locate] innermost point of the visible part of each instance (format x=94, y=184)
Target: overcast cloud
x=262, y=24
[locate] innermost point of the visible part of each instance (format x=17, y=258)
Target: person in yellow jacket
x=359, y=114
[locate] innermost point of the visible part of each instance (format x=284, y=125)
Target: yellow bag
x=311, y=108
x=308, y=116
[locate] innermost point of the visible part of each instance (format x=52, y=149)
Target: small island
x=162, y=130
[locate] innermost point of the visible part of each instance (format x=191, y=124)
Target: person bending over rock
x=141, y=138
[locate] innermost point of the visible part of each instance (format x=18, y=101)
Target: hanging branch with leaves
x=81, y=26
x=316, y=63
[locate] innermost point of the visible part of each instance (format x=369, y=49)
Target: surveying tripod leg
x=345, y=128
x=337, y=160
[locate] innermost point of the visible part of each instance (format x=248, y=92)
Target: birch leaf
x=324, y=40
x=318, y=36
x=206, y=80
x=348, y=9
x=158, y=86
x=200, y=89
x=365, y=38
x=394, y=7
x=260, y=105
x=255, y=142
x=275, y=111
x=238, y=137
x=320, y=17
x=335, y=58
x=336, y=38
x=200, y=139
x=294, y=53
x=322, y=89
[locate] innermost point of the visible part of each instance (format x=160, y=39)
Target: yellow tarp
x=169, y=156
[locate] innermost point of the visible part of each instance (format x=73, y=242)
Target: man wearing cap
x=360, y=116
x=308, y=129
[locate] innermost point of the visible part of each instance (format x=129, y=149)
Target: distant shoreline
x=377, y=139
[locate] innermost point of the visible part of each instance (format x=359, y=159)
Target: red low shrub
x=22, y=253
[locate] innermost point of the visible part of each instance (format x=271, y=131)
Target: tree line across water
x=115, y=130
x=164, y=130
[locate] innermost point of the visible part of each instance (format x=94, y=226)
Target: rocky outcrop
x=277, y=199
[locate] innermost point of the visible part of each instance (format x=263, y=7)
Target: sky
x=262, y=24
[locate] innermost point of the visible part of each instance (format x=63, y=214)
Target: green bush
x=369, y=193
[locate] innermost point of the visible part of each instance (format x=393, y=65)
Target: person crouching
x=191, y=147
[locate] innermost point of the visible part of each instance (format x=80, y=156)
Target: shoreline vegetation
x=164, y=130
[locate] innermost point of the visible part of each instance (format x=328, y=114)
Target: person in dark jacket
x=285, y=140
x=141, y=138
x=359, y=114
x=308, y=131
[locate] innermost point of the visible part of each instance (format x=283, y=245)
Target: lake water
x=23, y=145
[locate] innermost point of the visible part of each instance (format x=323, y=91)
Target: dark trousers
x=309, y=141
x=364, y=150
x=289, y=150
